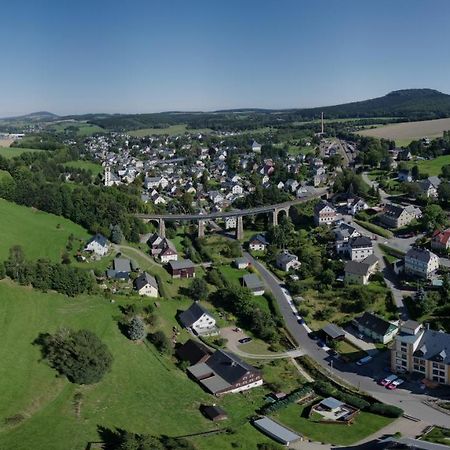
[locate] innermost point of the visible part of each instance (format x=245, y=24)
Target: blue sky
x=156, y=55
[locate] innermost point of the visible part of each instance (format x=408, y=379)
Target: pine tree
x=136, y=329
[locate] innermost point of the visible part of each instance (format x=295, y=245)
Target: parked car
x=395, y=384
x=365, y=360
x=321, y=343
x=388, y=380
x=245, y=340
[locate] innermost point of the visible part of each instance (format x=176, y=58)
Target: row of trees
x=45, y=275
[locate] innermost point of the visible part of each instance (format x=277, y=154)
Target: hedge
x=290, y=398
x=386, y=410
x=161, y=287
x=327, y=390
x=375, y=228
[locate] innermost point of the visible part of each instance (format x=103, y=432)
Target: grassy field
x=433, y=166
x=36, y=231
x=82, y=129
x=171, y=131
x=144, y=392
x=375, y=228
x=11, y=152
x=349, y=351
x=404, y=133
x=365, y=424
x=96, y=169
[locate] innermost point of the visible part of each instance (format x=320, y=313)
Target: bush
x=136, y=329
x=161, y=287
x=328, y=390
x=386, y=410
x=290, y=398
x=375, y=229
x=161, y=342
x=79, y=355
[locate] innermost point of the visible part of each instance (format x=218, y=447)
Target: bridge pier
x=201, y=229
x=239, y=228
x=162, y=228
x=275, y=213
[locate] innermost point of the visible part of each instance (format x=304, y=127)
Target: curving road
x=240, y=212
x=361, y=376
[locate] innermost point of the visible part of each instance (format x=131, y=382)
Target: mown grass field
x=365, y=424
x=431, y=167
x=96, y=169
x=82, y=129
x=11, y=152
x=41, y=235
x=144, y=392
x=404, y=133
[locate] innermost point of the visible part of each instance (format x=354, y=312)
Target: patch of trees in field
x=45, y=275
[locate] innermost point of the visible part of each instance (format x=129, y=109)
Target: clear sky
x=155, y=55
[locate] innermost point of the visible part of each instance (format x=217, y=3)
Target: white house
x=324, y=213
x=421, y=262
x=98, y=244
x=287, y=261
x=258, y=243
x=146, y=285
x=198, y=319
x=230, y=222
x=359, y=248
x=256, y=147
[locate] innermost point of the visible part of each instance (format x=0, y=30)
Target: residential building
x=183, y=268
x=198, y=320
x=356, y=205
x=241, y=263
x=405, y=175
x=193, y=351
x=253, y=283
x=121, y=269
x=230, y=222
x=441, y=240
x=98, y=245
x=162, y=248
x=258, y=243
x=324, y=213
x=359, y=248
x=343, y=233
x=396, y=216
x=417, y=349
x=359, y=272
x=287, y=261
x=375, y=327
x=421, y=262
x=146, y=285
x=256, y=147
x=223, y=373
x=430, y=186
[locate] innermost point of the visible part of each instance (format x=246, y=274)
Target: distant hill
x=39, y=116
x=408, y=103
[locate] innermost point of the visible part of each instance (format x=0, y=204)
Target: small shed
x=276, y=431
x=214, y=413
x=333, y=333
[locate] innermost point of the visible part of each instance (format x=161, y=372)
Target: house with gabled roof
x=224, y=373
x=375, y=327
x=98, y=245
x=198, y=320
x=146, y=285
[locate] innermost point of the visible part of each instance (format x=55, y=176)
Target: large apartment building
x=420, y=350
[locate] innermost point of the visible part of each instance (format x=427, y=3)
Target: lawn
x=349, y=351
x=365, y=424
x=96, y=169
x=144, y=392
x=375, y=229
x=41, y=235
x=438, y=435
x=83, y=129
x=431, y=167
x=11, y=152
x=231, y=274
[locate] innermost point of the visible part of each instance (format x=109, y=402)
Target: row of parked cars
x=391, y=382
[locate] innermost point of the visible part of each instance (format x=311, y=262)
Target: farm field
x=404, y=133
x=31, y=389
x=11, y=152
x=433, y=166
x=6, y=142
x=38, y=232
x=96, y=169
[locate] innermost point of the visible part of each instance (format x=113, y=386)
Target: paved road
x=360, y=376
x=240, y=212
